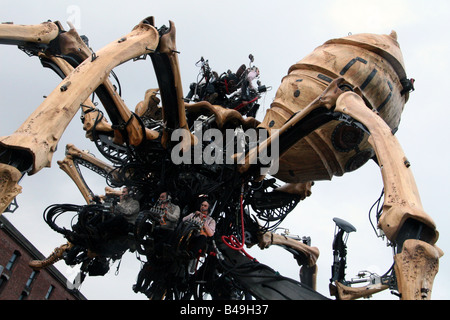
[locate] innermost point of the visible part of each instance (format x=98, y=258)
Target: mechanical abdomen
x=371, y=64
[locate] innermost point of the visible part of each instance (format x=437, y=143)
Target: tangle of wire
x=51, y=213
x=379, y=210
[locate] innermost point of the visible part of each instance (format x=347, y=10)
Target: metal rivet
x=407, y=163
x=65, y=86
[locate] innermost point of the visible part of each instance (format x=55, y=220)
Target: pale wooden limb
x=222, y=115
x=269, y=238
x=168, y=47
x=20, y=34
x=41, y=132
x=74, y=152
x=92, y=118
x=343, y=292
x=149, y=106
x=303, y=189
x=110, y=192
x=69, y=167
x=308, y=275
x=71, y=43
x=9, y=188
x=308, y=271
x=402, y=199
x=416, y=267
x=417, y=263
x=54, y=257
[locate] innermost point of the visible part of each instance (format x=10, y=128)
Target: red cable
x=226, y=86
x=245, y=103
x=231, y=241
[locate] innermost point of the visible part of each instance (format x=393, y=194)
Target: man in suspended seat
x=167, y=214
x=122, y=217
x=207, y=228
x=128, y=207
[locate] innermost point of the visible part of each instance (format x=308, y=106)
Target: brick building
x=18, y=281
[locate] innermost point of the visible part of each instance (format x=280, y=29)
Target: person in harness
x=207, y=228
x=169, y=212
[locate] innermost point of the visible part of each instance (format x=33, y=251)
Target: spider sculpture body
x=336, y=109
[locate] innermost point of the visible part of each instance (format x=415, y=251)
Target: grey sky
x=278, y=34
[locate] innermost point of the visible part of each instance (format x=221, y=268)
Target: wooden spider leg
x=36, y=140
x=71, y=48
x=343, y=292
x=42, y=33
x=167, y=70
x=92, y=119
x=37, y=39
x=9, y=179
x=68, y=166
x=311, y=254
x=54, y=257
x=404, y=221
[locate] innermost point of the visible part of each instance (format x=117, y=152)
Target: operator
x=127, y=206
x=207, y=227
x=123, y=216
x=169, y=212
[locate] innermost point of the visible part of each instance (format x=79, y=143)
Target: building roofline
x=14, y=233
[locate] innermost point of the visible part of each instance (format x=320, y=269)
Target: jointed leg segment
x=404, y=221
x=40, y=133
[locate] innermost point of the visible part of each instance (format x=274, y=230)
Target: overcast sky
x=278, y=34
